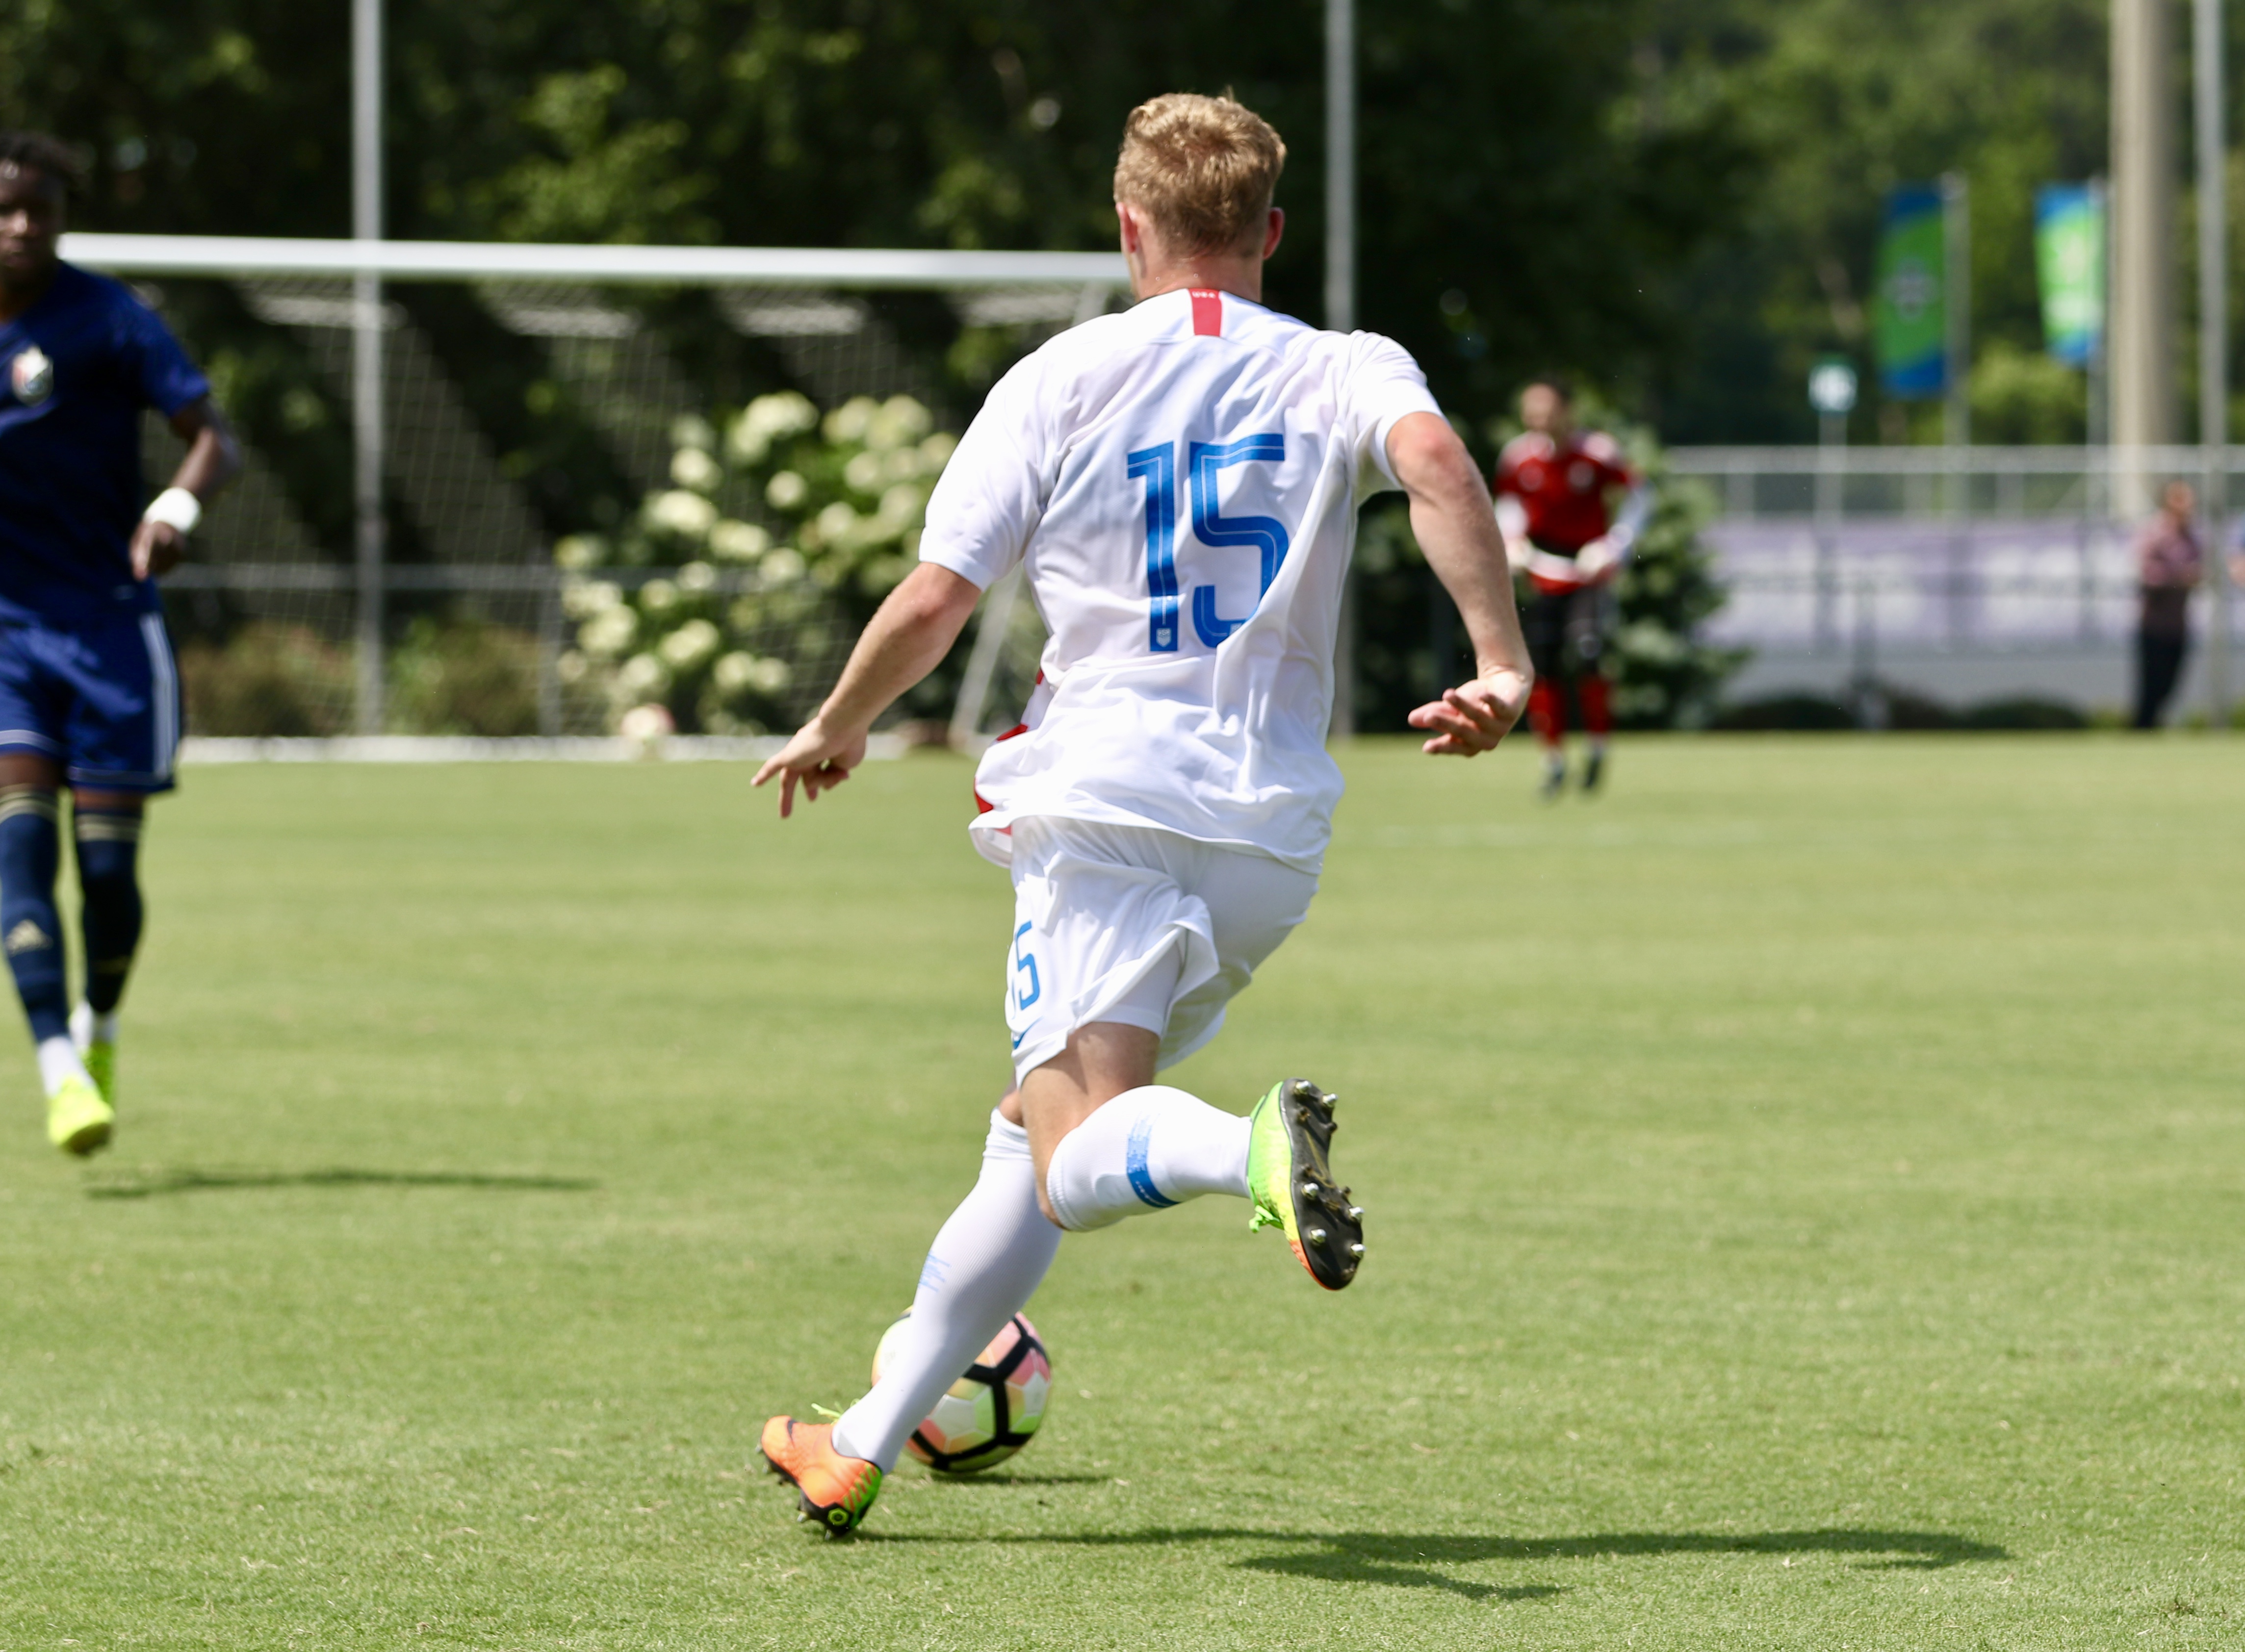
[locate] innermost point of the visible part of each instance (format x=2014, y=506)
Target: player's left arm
x=1456, y=527
x=905, y=640
x=214, y=460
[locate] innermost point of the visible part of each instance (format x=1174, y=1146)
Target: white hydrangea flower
x=680, y=512
x=903, y=465
x=689, y=645
x=693, y=468
x=733, y=541
x=901, y=505
x=606, y=635
x=863, y=472
x=769, y=675
x=582, y=598
x=733, y=672
x=692, y=430
x=765, y=420
x=848, y=421
x=786, y=491
x=898, y=422
x=643, y=677
x=577, y=551
x=658, y=597
x=836, y=522
x=572, y=667
x=936, y=451
x=646, y=723
x=783, y=566
x=697, y=578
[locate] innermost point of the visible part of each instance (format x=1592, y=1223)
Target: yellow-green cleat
x=98, y=1053
x=78, y=1120
x=1290, y=1180
x=101, y=1067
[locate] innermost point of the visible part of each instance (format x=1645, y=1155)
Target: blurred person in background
x=1554, y=502
x=88, y=694
x=2169, y=563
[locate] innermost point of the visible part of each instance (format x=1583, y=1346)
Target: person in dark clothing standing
x=2168, y=564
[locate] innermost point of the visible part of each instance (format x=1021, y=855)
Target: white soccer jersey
x=1183, y=481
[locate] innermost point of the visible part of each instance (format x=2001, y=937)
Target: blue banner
x=2070, y=258
x=1909, y=298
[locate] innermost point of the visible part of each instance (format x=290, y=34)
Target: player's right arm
x=905, y=640
x=1456, y=527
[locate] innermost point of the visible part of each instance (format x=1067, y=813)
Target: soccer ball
x=992, y=1411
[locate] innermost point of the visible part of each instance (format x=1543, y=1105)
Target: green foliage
x=785, y=528
x=464, y=676
x=1523, y=197
x=268, y=682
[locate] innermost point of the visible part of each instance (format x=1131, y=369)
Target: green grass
x=1806, y=1194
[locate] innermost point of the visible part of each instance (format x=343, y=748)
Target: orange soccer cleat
x=837, y=1490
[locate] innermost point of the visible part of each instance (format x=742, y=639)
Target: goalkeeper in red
x=1182, y=483
x=1555, y=491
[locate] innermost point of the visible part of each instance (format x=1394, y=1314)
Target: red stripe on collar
x=1208, y=313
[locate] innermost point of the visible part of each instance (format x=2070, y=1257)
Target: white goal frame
x=1095, y=277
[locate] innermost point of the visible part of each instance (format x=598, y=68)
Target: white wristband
x=176, y=508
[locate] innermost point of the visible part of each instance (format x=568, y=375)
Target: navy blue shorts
x=102, y=699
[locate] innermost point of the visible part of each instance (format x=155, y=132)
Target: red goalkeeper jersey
x=1563, y=487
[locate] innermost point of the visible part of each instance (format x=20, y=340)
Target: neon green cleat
x=101, y=1067
x=1291, y=1182
x=98, y=1053
x=78, y=1120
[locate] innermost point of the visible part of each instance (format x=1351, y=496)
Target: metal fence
x=1863, y=550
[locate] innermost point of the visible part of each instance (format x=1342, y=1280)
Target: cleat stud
x=1304, y=1087
x=1315, y=1236
x=1356, y=1213
x=1356, y=1250
x=1309, y=1190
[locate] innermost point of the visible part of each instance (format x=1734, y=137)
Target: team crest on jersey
x=31, y=376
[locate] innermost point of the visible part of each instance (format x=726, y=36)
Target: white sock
x=1555, y=761
x=59, y=1061
x=983, y=1268
x=1145, y=1150
x=87, y=1028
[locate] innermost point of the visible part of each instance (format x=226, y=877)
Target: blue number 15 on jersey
x=1158, y=466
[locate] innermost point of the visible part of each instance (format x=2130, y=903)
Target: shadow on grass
x=155, y=1184
x=987, y=1478
x=1407, y=1562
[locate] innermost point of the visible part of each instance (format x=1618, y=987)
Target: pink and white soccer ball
x=989, y=1413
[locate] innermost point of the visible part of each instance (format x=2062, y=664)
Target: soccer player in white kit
x=1182, y=482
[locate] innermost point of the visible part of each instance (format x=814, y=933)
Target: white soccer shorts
x=1134, y=924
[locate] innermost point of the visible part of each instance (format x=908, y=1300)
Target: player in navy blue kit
x=89, y=698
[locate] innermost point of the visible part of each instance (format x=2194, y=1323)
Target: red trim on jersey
x=1208, y=313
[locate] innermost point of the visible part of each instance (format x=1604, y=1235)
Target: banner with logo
x=1908, y=313
x=2070, y=258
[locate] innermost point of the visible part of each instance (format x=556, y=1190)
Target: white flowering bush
x=781, y=531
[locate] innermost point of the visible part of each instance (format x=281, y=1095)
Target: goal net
x=643, y=489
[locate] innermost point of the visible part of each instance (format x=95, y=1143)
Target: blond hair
x=1203, y=169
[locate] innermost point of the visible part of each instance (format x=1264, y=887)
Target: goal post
x=615, y=480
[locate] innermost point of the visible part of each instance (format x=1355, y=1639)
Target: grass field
x=1806, y=1189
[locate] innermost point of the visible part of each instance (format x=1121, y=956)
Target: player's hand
x=157, y=548
x=1469, y=720
x=1598, y=561
x=814, y=759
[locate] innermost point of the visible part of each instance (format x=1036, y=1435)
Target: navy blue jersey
x=76, y=370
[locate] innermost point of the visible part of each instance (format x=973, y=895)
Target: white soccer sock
x=1145, y=1150
x=58, y=1061
x=984, y=1265
x=88, y=1028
